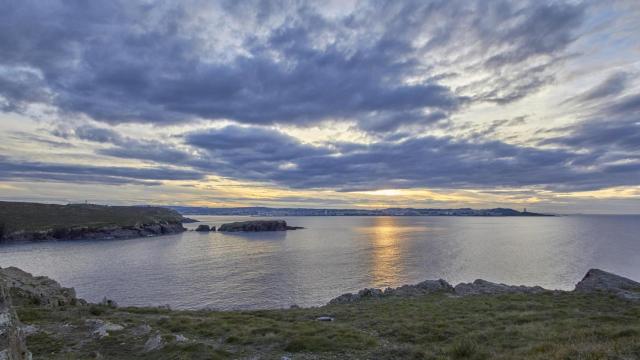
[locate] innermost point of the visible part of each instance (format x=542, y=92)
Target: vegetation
x=533, y=326
x=31, y=217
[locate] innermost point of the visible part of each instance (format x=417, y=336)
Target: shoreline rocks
x=594, y=281
x=26, y=288
x=12, y=336
x=100, y=233
x=256, y=226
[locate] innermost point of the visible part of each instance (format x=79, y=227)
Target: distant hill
x=266, y=211
x=23, y=221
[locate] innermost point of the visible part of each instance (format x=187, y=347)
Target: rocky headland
x=24, y=222
x=480, y=320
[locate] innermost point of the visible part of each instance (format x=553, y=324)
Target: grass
x=541, y=326
x=31, y=217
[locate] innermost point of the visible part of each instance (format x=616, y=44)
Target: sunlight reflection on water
x=331, y=256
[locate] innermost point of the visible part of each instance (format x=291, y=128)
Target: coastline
x=431, y=319
x=102, y=233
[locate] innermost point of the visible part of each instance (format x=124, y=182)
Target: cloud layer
x=410, y=94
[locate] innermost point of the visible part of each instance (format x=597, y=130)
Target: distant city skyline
x=337, y=104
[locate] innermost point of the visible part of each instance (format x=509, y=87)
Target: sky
x=328, y=104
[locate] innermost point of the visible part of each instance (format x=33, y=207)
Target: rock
x=26, y=288
x=203, y=228
x=141, y=330
x=181, y=338
x=102, y=328
x=486, y=287
x=186, y=220
x=423, y=288
x=101, y=233
x=325, y=318
x=257, y=225
x=29, y=329
x=597, y=280
x=12, y=337
x=108, y=302
x=154, y=343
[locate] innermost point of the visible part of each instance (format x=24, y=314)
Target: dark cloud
x=74, y=173
x=158, y=63
x=440, y=162
x=129, y=148
x=615, y=84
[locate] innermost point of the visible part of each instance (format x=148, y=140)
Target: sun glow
x=383, y=192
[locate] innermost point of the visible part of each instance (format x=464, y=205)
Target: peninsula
x=21, y=221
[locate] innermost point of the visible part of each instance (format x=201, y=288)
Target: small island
x=257, y=225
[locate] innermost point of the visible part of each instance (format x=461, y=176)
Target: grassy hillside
x=15, y=216
x=540, y=326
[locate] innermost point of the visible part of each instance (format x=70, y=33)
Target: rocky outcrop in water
x=257, y=225
x=26, y=288
x=12, y=338
x=597, y=280
x=205, y=228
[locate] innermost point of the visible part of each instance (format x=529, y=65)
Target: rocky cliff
x=12, y=338
x=22, y=222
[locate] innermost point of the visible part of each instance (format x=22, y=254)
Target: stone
x=203, y=228
x=102, y=328
x=12, y=337
x=480, y=286
x=29, y=329
x=181, y=338
x=26, y=288
x=154, y=343
x=325, y=318
x=597, y=280
x=423, y=288
x=141, y=330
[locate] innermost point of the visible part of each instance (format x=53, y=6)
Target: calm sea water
x=331, y=256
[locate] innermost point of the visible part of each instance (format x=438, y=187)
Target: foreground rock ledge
x=594, y=281
x=257, y=225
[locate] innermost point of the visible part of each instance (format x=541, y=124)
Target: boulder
x=101, y=328
x=203, y=228
x=597, y=280
x=480, y=287
x=12, y=337
x=257, y=225
x=41, y=290
x=155, y=342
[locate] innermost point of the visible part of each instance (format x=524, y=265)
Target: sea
x=332, y=256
